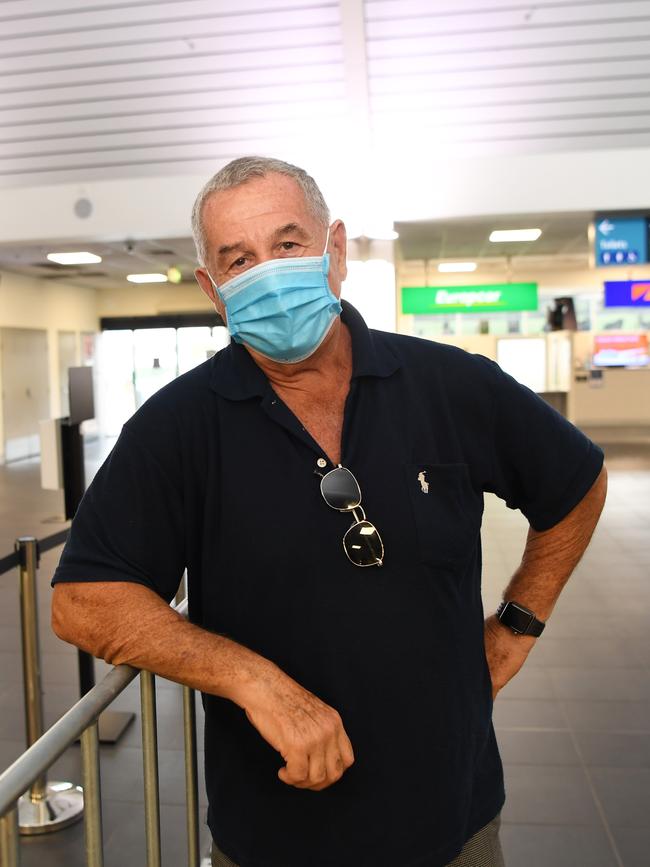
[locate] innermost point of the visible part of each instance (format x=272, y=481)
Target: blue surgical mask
x=283, y=308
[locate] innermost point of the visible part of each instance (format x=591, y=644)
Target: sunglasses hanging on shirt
x=362, y=543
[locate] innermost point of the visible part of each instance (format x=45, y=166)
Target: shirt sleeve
x=129, y=525
x=541, y=463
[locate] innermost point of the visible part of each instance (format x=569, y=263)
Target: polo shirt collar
x=237, y=377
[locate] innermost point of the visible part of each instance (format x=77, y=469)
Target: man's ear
x=339, y=247
x=207, y=287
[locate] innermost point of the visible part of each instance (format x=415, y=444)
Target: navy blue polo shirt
x=215, y=473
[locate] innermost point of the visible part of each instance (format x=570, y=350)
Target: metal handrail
x=81, y=721
x=47, y=749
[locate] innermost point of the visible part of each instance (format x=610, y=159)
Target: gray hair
x=240, y=171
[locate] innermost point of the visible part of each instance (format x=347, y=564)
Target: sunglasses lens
x=363, y=544
x=340, y=490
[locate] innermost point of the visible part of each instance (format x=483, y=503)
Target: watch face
x=517, y=617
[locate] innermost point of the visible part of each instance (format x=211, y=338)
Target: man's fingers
x=296, y=771
x=335, y=766
x=345, y=750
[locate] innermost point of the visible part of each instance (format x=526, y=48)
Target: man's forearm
x=551, y=556
x=549, y=559
x=123, y=622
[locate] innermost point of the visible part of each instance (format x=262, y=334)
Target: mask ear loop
x=327, y=240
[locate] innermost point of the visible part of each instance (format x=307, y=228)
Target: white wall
x=30, y=303
x=151, y=300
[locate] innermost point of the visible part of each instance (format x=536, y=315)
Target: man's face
x=265, y=218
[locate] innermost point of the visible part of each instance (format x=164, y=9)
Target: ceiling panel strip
x=538, y=113
x=459, y=79
x=621, y=34
x=204, y=126
x=378, y=9
x=524, y=21
x=210, y=149
x=182, y=27
x=511, y=130
x=168, y=49
x=548, y=57
x=325, y=106
x=88, y=16
x=532, y=96
x=273, y=58
x=242, y=78
x=259, y=97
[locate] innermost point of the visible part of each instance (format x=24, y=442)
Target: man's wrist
x=503, y=633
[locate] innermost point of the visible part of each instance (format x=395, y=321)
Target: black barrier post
x=74, y=476
x=111, y=723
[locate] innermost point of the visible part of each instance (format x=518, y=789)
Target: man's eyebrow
x=230, y=248
x=287, y=229
x=292, y=229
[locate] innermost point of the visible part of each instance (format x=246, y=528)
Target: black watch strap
x=520, y=619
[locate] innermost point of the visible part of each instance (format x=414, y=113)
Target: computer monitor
x=82, y=402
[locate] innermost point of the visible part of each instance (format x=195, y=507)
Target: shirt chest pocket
x=446, y=512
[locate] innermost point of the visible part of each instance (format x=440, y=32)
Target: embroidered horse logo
x=423, y=482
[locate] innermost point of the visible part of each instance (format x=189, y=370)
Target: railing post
x=93, y=797
x=46, y=807
x=9, y=848
x=150, y=767
x=28, y=551
x=191, y=778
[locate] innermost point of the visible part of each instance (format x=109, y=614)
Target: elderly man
x=323, y=485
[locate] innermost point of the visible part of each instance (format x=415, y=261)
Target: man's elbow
x=63, y=616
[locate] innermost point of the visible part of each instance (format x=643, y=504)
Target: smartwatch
x=521, y=620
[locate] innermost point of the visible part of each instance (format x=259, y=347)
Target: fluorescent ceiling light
x=456, y=267
x=377, y=233
x=146, y=278
x=508, y=235
x=373, y=233
x=80, y=258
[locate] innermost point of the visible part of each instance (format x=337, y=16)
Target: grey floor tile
x=585, y=652
x=521, y=713
x=614, y=750
x=537, y=748
x=556, y=846
x=633, y=845
x=608, y=716
x=601, y=684
x=552, y=795
x=529, y=683
x=624, y=794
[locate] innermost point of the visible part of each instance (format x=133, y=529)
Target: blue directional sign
x=621, y=241
x=627, y=293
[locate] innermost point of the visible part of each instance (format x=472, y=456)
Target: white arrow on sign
x=606, y=227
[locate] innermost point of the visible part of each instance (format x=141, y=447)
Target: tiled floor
x=574, y=726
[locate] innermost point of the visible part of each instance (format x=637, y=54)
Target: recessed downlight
x=501, y=236
x=146, y=278
x=456, y=267
x=82, y=257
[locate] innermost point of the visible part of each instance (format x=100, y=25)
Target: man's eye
x=288, y=245
x=239, y=263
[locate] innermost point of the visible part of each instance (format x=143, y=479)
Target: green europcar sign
x=491, y=298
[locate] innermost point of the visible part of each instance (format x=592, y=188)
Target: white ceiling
x=101, y=90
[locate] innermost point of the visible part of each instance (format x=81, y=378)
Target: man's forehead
x=259, y=198
x=261, y=207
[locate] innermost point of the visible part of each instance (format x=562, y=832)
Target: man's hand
x=505, y=652
x=308, y=733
